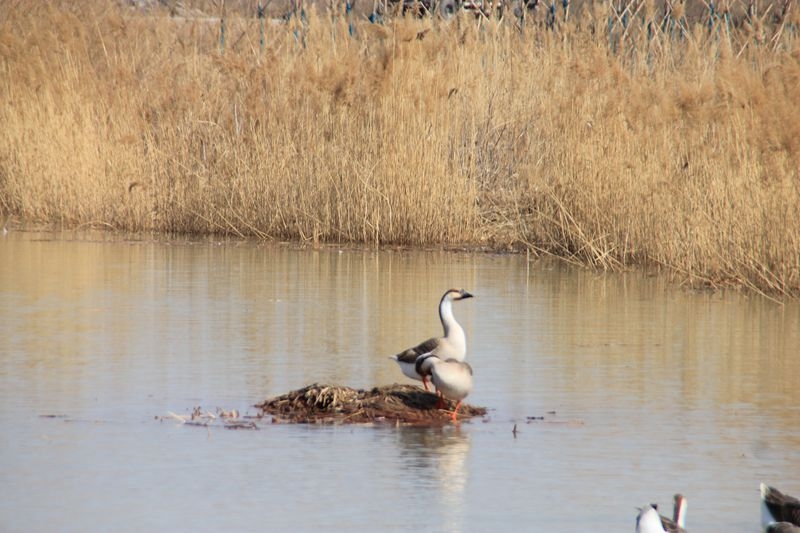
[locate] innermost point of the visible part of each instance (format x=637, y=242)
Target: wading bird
x=664, y=525
x=781, y=527
x=779, y=512
x=452, y=378
x=678, y=521
x=453, y=345
x=648, y=520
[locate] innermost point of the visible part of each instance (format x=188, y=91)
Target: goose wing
x=670, y=526
x=410, y=356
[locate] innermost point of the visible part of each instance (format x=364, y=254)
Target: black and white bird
x=780, y=513
x=453, y=345
x=781, y=527
x=648, y=520
x=678, y=521
x=649, y=513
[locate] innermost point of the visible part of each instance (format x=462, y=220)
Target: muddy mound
x=331, y=404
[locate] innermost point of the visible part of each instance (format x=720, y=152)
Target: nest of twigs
x=331, y=404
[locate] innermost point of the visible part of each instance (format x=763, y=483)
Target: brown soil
x=331, y=404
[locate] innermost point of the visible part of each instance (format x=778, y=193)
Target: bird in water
x=665, y=525
x=453, y=345
x=648, y=520
x=678, y=520
x=452, y=378
x=781, y=527
x=780, y=513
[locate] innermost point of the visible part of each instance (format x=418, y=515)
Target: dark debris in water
x=332, y=404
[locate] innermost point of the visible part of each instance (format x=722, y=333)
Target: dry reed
x=611, y=138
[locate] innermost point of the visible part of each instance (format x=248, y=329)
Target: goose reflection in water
x=439, y=455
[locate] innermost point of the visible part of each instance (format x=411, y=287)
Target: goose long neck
x=452, y=329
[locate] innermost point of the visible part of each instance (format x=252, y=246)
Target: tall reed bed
x=604, y=137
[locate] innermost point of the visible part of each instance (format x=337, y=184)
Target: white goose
x=648, y=520
x=779, y=511
x=452, y=378
x=453, y=345
x=664, y=525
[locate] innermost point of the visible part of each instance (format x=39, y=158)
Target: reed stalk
x=624, y=134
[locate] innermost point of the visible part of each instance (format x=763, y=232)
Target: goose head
x=455, y=295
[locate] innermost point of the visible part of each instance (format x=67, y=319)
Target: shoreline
x=105, y=235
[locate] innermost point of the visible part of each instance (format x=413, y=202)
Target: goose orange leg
x=440, y=402
x=455, y=411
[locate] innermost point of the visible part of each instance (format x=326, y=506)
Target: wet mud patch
x=332, y=404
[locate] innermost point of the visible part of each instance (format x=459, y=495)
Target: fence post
x=261, y=38
x=711, y=15
x=348, y=11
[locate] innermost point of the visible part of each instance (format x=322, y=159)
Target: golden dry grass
x=678, y=148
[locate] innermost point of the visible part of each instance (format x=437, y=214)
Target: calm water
x=655, y=390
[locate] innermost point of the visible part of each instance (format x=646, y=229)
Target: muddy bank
x=332, y=404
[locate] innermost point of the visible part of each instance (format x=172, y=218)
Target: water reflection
x=699, y=388
x=439, y=455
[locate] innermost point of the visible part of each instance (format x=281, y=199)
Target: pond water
x=646, y=389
